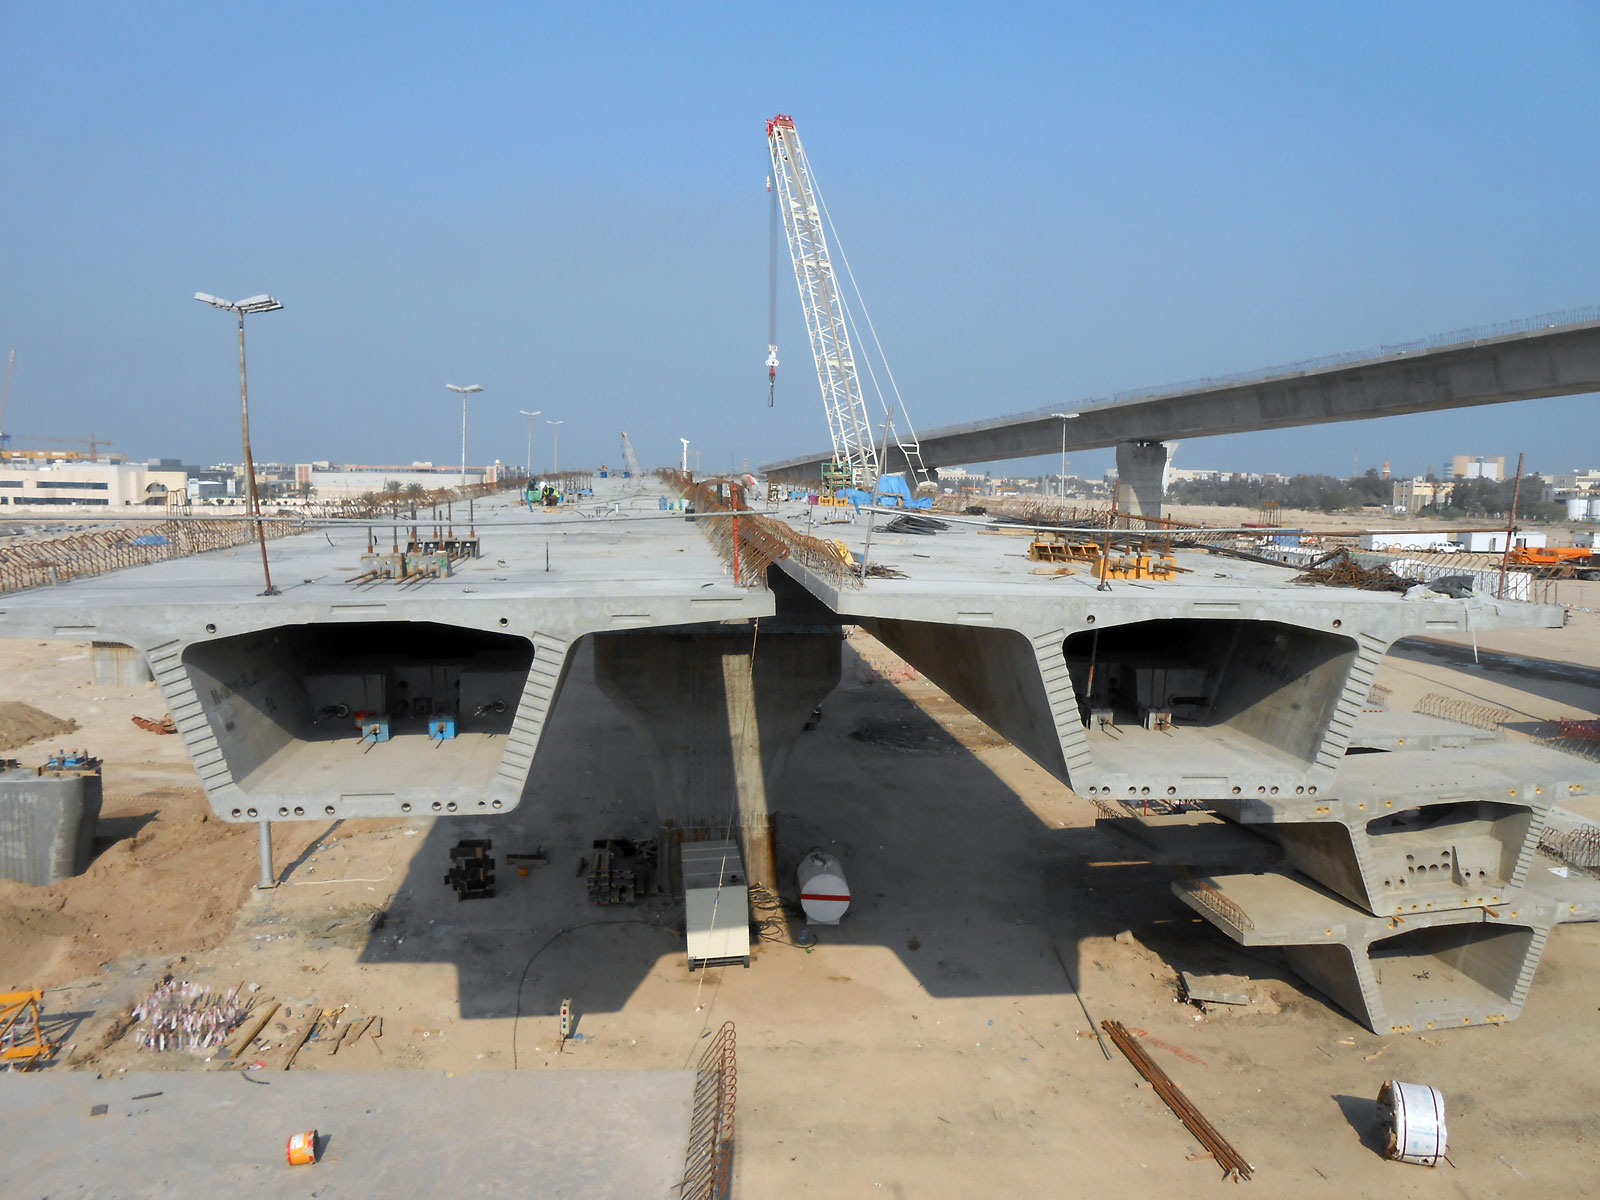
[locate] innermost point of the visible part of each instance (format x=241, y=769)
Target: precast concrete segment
x=1560, y=361
x=1464, y=966
x=1403, y=731
x=1265, y=680
x=47, y=823
x=1401, y=834
x=113, y=665
x=266, y=691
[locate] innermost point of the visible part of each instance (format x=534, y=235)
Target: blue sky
x=566, y=204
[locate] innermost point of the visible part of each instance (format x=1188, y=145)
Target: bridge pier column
x=1141, y=476
x=720, y=709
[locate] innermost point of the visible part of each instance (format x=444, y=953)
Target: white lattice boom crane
x=829, y=321
x=629, y=457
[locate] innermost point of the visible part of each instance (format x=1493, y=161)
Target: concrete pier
x=720, y=709
x=115, y=665
x=1142, y=476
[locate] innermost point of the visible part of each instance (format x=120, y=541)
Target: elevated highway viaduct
x=1548, y=358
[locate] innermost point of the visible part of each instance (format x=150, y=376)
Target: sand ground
x=930, y=1046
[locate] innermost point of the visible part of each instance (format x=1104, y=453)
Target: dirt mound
x=176, y=885
x=23, y=723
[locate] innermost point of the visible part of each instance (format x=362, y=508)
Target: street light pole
x=254, y=304
x=555, y=446
x=1061, y=484
x=464, y=392
x=530, y=416
x=685, y=466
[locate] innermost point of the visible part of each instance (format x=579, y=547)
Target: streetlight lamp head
x=561, y=422
x=251, y=304
x=471, y=387
x=536, y=412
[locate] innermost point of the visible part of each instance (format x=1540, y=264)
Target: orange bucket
x=303, y=1148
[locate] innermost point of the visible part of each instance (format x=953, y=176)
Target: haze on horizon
x=1042, y=204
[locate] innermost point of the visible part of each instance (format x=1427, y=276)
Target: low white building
x=1489, y=541
x=79, y=483
x=335, y=481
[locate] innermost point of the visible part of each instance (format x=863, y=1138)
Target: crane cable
x=772, y=294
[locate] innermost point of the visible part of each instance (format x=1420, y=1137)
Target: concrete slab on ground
x=388, y=1133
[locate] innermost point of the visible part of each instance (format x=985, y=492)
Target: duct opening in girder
x=359, y=709
x=1270, y=683
x=1473, y=845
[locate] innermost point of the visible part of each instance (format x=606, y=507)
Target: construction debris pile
x=178, y=1015
x=1340, y=570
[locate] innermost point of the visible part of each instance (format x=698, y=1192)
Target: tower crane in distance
x=831, y=325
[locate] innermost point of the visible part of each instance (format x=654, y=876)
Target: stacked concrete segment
x=1238, y=689
x=47, y=822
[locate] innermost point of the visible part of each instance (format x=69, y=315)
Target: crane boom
x=629, y=457
x=828, y=320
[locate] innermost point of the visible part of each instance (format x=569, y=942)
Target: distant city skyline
x=1041, y=204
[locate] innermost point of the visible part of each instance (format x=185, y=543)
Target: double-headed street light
x=464, y=392
x=252, y=304
x=555, y=447
x=530, y=415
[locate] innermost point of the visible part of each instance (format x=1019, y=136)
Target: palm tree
x=417, y=494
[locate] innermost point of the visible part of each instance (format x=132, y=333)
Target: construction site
x=808, y=831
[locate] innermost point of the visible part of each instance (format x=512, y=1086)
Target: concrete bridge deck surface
x=1265, y=678
x=265, y=690
x=382, y=1133
x=616, y=558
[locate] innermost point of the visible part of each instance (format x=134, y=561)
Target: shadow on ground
x=948, y=866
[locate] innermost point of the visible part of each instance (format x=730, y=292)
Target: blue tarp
x=150, y=539
x=892, y=493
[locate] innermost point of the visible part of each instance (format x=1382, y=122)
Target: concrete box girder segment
x=1465, y=966
x=1266, y=680
x=1424, y=831
x=255, y=683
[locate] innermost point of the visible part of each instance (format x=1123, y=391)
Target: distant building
x=1464, y=466
x=68, y=483
x=333, y=481
x=1414, y=495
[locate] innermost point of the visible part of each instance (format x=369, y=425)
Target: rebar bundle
x=1462, y=712
x=1577, y=847
x=1208, y=894
x=56, y=560
x=178, y=1015
x=708, y=1164
x=1230, y=1160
